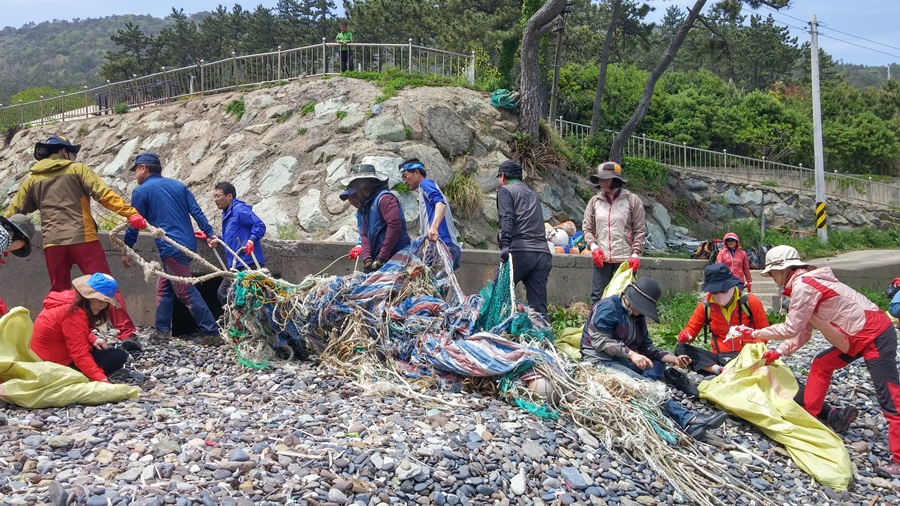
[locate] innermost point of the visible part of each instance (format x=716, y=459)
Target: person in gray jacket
x=522, y=234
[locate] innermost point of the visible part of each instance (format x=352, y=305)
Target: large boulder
x=278, y=176
x=310, y=216
x=385, y=128
x=448, y=131
x=436, y=165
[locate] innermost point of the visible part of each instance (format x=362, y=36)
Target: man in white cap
x=854, y=326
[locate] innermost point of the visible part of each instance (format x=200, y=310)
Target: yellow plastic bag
x=623, y=277
x=27, y=381
x=569, y=342
x=764, y=396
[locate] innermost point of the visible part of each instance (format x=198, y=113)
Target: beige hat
x=97, y=286
x=782, y=257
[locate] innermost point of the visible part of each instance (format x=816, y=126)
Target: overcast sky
x=872, y=19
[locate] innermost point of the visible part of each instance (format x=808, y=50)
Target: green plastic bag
x=27, y=381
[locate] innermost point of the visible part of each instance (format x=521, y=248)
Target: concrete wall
x=24, y=282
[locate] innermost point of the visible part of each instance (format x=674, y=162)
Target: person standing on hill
x=736, y=259
x=61, y=189
x=241, y=228
x=345, y=38
x=435, y=218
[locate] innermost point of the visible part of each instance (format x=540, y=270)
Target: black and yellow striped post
x=821, y=221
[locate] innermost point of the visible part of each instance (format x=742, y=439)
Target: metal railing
x=235, y=72
x=761, y=171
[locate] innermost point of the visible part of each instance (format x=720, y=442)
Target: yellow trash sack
x=569, y=342
x=27, y=381
x=764, y=396
x=623, y=277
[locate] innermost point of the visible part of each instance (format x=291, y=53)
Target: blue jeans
x=672, y=408
x=166, y=291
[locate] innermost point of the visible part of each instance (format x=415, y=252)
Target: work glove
x=685, y=337
x=377, y=264
x=634, y=263
x=137, y=221
x=599, y=257
x=200, y=235
x=747, y=287
x=367, y=265
x=771, y=356
x=248, y=248
x=355, y=252
x=504, y=254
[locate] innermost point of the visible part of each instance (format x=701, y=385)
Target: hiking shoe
x=159, y=337
x=210, y=340
x=680, y=381
x=839, y=419
x=127, y=376
x=891, y=470
x=697, y=429
x=132, y=345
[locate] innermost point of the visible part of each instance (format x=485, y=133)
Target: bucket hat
x=97, y=286
x=782, y=257
x=55, y=141
x=363, y=171
x=608, y=170
x=718, y=278
x=643, y=295
x=21, y=228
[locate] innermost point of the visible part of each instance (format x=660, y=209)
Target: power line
x=859, y=45
x=858, y=37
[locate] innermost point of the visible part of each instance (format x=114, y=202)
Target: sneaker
x=839, y=419
x=132, y=345
x=127, y=376
x=889, y=471
x=680, y=381
x=697, y=429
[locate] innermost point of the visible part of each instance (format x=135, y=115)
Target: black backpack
x=743, y=309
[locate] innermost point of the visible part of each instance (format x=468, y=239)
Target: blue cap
x=59, y=140
x=346, y=194
x=146, y=159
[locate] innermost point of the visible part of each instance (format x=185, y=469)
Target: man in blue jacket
x=241, y=228
x=168, y=204
x=435, y=218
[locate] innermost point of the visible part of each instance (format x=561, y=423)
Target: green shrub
x=839, y=241
x=308, y=108
x=120, y=108
x=287, y=231
x=235, y=108
x=465, y=194
x=674, y=312
x=408, y=132
x=562, y=317
x=281, y=118
x=301, y=131
x=770, y=182
x=341, y=114
x=400, y=188
x=645, y=175
x=82, y=131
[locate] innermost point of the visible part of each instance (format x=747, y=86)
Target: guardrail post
x=279, y=64
x=870, y=188
x=472, y=69
x=764, y=169
x=42, y=109
x=84, y=102
x=324, y=58
x=684, y=152
x=233, y=69
x=725, y=158
x=409, y=64
x=62, y=102
x=201, y=78
x=21, y=113
x=165, y=83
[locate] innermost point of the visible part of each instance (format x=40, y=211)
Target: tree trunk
x=618, y=145
x=530, y=98
x=604, y=61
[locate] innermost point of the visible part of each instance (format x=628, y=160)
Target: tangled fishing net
x=408, y=328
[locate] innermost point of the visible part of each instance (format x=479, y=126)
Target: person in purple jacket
x=168, y=204
x=241, y=228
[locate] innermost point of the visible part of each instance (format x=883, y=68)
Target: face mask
x=724, y=298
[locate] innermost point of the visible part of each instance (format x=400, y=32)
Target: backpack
x=708, y=250
x=743, y=308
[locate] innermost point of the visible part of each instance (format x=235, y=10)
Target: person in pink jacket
x=736, y=259
x=854, y=326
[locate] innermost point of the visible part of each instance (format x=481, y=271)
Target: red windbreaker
x=718, y=327
x=64, y=336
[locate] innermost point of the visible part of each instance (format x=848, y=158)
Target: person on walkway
x=61, y=189
x=616, y=336
x=614, y=227
x=853, y=325
x=724, y=306
x=435, y=218
x=382, y=223
x=16, y=233
x=345, y=38
x=169, y=205
x=63, y=329
x=241, y=228
x=736, y=259
x=522, y=234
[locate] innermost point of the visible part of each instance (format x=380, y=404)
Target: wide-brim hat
x=644, y=295
x=719, y=278
x=782, y=257
x=25, y=228
x=56, y=141
x=97, y=286
x=608, y=170
x=363, y=171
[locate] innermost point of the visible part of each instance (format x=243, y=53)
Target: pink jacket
x=736, y=261
x=619, y=227
x=848, y=320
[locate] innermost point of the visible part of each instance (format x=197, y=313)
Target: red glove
x=744, y=333
x=598, y=257
x=355, y=252
x=747, y=287
x=137, y=221
x=248, y=248
x=771, y=356
x=896, y=281
x=685, y=337
x=200, y=235
x=634, y=263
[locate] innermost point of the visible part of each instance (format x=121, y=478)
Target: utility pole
x=821, y=218
x=554, y=88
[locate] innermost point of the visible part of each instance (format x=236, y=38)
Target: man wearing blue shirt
x=241, y=228
x=435, y=218
x=168, y=204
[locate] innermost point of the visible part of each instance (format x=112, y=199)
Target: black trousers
x=110, y=360
x=602, y=276
x=346, y=60
x=701, y=358
x=533, y=270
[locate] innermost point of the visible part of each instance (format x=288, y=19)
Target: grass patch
x=563, y=317
x=393, y=80
x=281, y=118
x=120, y=108
x=287, y=231
x=82, y=131
x=110, y=222
x=340, y=114
x=400, y=188
x=236, y=109
x=770, y=182
x=408, y=133
x=839, y=241
x=301, y=131
x=466, y=195
x=307, y=108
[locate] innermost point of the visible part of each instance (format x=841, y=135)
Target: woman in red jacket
x=736, y=259
x=62, y=331
x=725, y=306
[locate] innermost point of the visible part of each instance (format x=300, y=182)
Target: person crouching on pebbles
x=854, y=326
